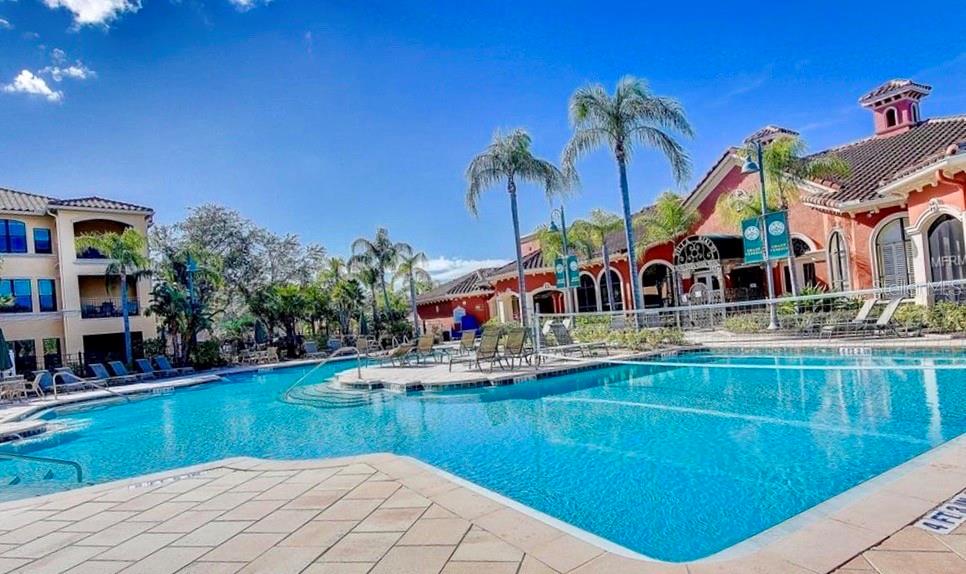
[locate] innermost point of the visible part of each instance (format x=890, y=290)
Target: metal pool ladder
x=77, y=467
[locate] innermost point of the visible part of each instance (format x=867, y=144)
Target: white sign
x=945, y=518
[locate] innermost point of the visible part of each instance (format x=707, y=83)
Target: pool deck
x=384, y=513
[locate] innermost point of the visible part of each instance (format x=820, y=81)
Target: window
x=42, y=240
x=47, y=295
x=52, y=356
x=605, y=298
x=893, y=254
x=947, y=254
x=891, y=117
x=25, y=356
x=838, y=262
x=808, y=275
x=13, y=236
x=914, y=112
x=19, y=291
x=586, y=295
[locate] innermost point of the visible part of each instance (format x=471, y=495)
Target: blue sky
x=328, y=119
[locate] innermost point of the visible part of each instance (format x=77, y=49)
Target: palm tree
x=510, y=158
x=632, y=116
x=668, y=220
x=381, y=254
x=128, y=260
x=787, y=168
x=368, y=275
x=591, y=235
x=346, y=299
x=411, y=273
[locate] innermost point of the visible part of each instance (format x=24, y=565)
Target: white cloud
x=27, y=83
x=444, y=269
x=5, y=24
x=95, y=12
x=246, y=5
x=75, y=71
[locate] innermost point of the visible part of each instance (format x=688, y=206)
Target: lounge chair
x=467, y=342
x=66, y=380
x=566, y=342
x=400, y=355
x=516, y=348
x=146, y=368
x=859, y=323
x=311, y=349
x=165, y=365
x=100, y=372
x=487, y=350
x=121, y=371
x=425, y=349
x=884, y=324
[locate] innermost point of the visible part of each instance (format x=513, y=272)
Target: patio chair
x=884, y=324
x=165, y=365
x=467, y=342
x=146, y=368
x=400, y=355
x=425, y=349
x=516, y=348
x=859, y=323
x=100, y=372
x=121, y=371
x=487, y=350
x=311, y=349
x=34, y=386
x=66, y=381
x=13, y=389
x=566, y=342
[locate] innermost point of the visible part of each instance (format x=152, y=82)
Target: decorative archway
x=697, y=258
x=657, y=284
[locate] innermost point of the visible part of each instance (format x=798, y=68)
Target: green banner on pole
x=567, y=271
x=754, y=246
x=778, y=241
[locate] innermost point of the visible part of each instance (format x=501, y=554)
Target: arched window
x=605, y=299
x=586, y=294
x=891, y=118
x=13, y=236
x=947, y=254
x=657, y=286
x=838, y=262
x=914, y=113
x=893, y=254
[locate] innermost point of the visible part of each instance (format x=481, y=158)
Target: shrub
x=494, y=325
x=912, y=315
x=154, y=346
x=947, y=317
x=746, y=323
x=207, y=355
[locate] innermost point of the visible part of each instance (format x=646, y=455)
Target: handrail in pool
x=76, y=466
x=96, y=386
x=338, y=353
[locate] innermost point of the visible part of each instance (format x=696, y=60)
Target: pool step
x=329, y=396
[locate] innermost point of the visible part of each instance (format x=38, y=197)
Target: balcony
x=101, y=308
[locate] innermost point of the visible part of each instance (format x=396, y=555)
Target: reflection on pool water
x=673, y=462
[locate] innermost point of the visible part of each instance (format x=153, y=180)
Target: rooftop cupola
x=770, y=133
x=895, y=106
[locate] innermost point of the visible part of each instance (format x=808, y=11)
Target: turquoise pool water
x=676, y=463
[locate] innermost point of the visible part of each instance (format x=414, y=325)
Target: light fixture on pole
x=751, y=166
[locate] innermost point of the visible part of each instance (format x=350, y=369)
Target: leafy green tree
x=631, y=117
x=127, y=255
x=509, y=158
x=347, y=301
x=787, y=168
x=591, y=235
x=410, y=272
x=667, y=221
x=381, y=254
x=282, y=304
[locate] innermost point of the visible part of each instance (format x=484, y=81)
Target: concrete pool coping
x=278, y=499
x=817, y=540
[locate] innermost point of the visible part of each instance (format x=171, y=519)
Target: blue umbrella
x=5, y=363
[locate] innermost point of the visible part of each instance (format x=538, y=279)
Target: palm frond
x=676, y=155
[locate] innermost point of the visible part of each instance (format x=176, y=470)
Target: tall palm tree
x=368, y=275
x=127, y=255
x=381, y=254
x=632, y=117
x=787, y=168
x=510, y=158
x=667, y=221
x=591, y=235
x=411, y=272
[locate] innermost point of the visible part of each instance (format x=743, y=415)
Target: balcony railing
x=90, y=253
x=103, y=308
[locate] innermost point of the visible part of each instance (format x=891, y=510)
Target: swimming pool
x=673, y=462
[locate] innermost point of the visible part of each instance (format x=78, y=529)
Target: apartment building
x=64, y=308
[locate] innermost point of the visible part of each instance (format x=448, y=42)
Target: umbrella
x=5, y=363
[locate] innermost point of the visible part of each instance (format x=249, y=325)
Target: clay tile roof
x=531, y=262
x=94, y=202
x=876, y=161
x=21, y=202
x=897, y=86
x=472, y=282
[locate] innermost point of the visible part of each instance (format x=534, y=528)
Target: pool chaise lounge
x=165, y=365
x=100, y=372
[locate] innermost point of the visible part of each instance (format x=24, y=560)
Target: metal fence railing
x=900, y=310
x=100, y=308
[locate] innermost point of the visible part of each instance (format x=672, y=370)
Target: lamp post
x=751, y=166
x=559, y=211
